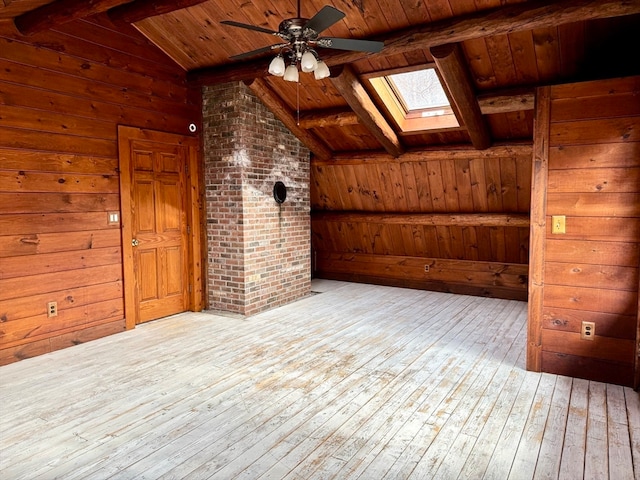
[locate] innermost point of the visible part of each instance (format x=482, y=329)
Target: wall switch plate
x=558, y=224
x=113, y=218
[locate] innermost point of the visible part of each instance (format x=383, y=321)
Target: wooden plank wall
x=591, y=272
x=454, y=221
x=62, y=95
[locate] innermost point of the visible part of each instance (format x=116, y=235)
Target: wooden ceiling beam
x=428, y=219
x=505, y=101
x=484, y=23
x=328, y=118
x=283, y=113
x=139, y=10
x=59, y=12
x=453, y=70
x=513, y=100
x=522, y=151
x=354, y=93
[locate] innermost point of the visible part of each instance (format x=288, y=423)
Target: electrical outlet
x=426, y=268
x=52, y=309
x=588, y=330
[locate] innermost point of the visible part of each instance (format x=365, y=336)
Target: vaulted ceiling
x=490, y=54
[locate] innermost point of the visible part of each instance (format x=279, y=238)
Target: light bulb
x=291, y=74
x=321, y=71
x=276, y=67
x=308, y=62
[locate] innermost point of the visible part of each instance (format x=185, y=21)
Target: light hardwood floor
x=358, y=381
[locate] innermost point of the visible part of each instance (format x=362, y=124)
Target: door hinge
x=188, y=229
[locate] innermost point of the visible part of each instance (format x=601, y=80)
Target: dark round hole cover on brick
x=279, y=192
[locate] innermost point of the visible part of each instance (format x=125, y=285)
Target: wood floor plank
x=526, y=458
x=495, y=459
x=354, y=382
x=620, y=457
x=632, y=400
x=596, y=462
x=575, y=437
x=550, y=456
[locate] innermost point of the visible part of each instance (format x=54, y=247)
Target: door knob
x=134, y=243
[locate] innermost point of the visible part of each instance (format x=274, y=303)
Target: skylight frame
x=411, y=121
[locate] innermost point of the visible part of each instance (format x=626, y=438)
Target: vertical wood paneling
x=62, y=97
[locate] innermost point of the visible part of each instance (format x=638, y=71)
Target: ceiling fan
x=300, y=39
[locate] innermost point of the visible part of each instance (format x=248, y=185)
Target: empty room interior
x=313, y=239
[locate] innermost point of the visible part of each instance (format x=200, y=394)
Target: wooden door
x=156, y=217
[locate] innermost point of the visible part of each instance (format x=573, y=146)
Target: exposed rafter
x=59, y=12
x=453, y=69
x=507, y=19
x=141, y=9
x=260, y=88
x=354, y=93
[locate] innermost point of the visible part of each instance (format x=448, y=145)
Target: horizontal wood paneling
x=591, y=272
x=21, y=266
x=607, y=324
x=62, y=96
x=608, y=229
x=19, y=288
x=601, y=348
x=56, y=203
x=579, y=366
x=608, y=130
x=594, y=299
x=460, y=276
x=16, y=245
x=50, y=182
x=35, y=305
x=72, y=318
x=612, y=277
x=598, y=155
x=39, y=161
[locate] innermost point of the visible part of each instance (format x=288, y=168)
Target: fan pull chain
x=298, y=103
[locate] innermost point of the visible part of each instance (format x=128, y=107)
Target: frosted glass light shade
x=321, y=71
x=308, y=62
x=276, y=67
x=291, y=74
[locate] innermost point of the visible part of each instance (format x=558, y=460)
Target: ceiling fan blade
x=257, y=51
x=324, y=19
x=248, y=27
x=350, y=44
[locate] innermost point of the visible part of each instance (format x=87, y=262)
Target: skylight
x=415, y=99
x=419, y=90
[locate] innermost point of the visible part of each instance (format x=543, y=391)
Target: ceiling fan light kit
x=277, y=66
x=291, y=74
x=300, y=37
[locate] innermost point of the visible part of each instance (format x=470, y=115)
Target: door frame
x=194, y=211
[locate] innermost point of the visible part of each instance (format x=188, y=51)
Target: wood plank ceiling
x=506, y=48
